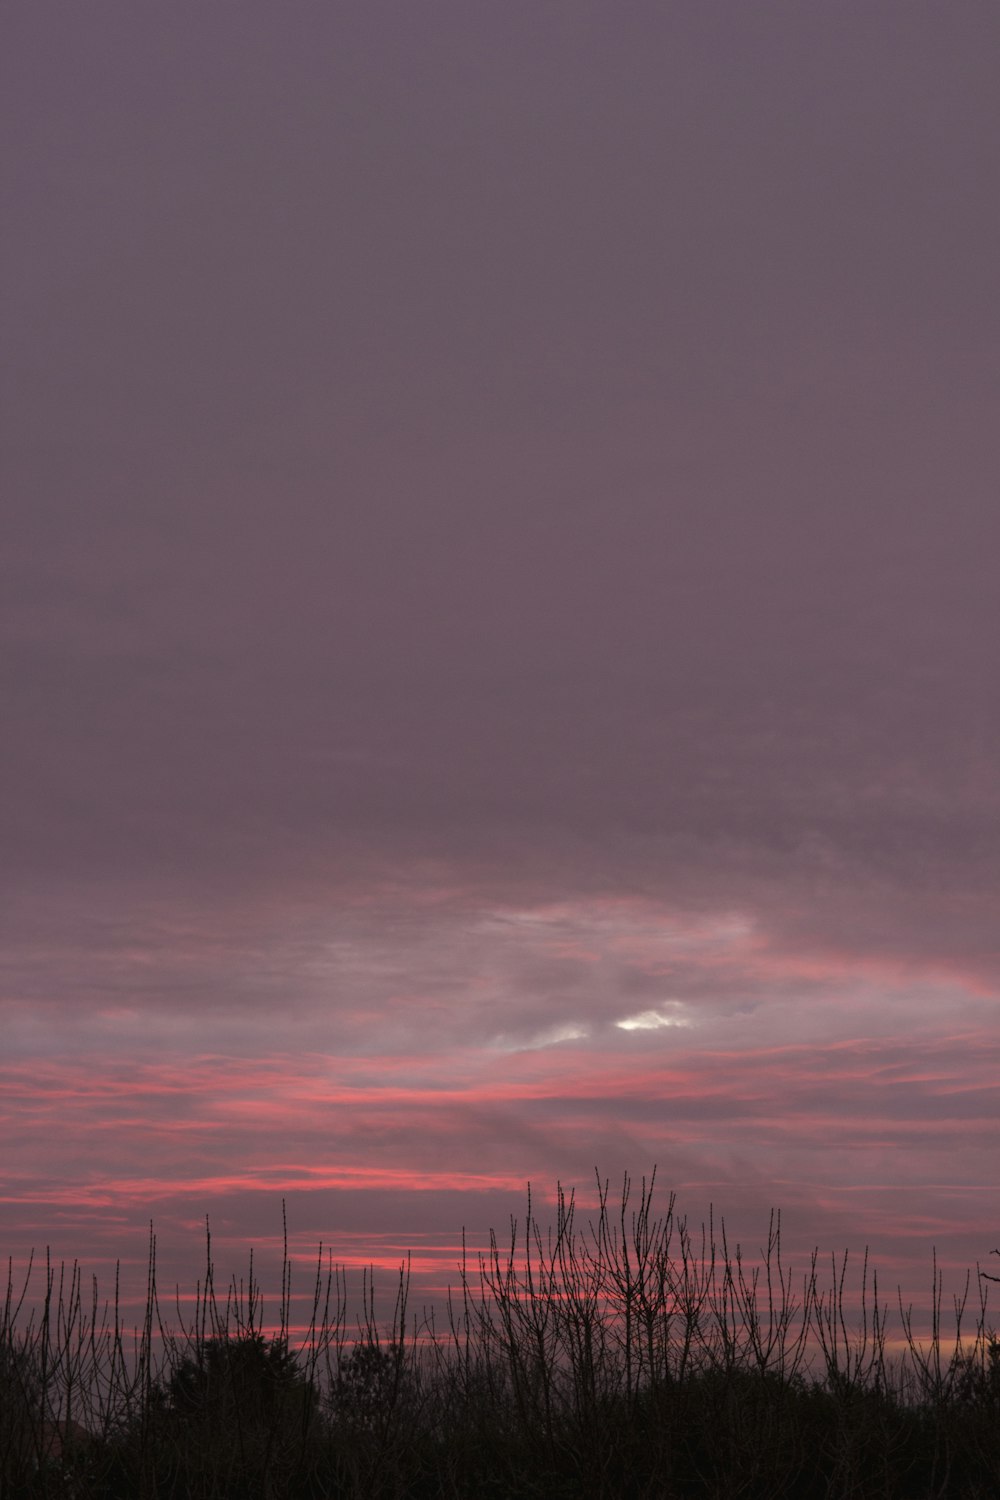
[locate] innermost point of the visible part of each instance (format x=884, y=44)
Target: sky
x=500, y=655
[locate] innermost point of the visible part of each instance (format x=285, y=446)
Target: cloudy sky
x=500, y=619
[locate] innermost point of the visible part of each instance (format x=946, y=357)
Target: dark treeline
x=627, y=1357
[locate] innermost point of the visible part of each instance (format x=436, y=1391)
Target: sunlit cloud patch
x=653, y=1020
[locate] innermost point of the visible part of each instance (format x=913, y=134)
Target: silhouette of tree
x=232, y=1417
x=21, y=1407
x=367, y=1386
x=248, y=1380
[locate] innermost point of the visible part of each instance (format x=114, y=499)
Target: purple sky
x=500, y=602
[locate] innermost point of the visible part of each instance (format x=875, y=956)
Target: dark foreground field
x=624, y=1358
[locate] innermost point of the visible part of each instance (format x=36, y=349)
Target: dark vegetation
x=627, y=1357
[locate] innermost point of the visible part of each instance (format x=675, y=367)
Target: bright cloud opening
x=651, y=1020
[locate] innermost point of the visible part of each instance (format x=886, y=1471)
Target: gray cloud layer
x=460, y=460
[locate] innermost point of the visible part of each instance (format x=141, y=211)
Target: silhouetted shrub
x=21, y=1414
x=246, y=1378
